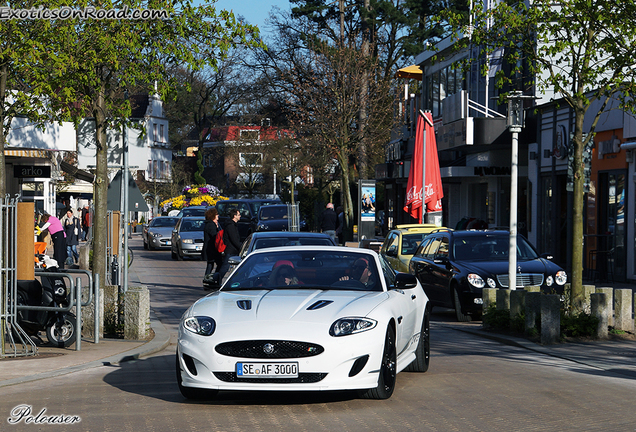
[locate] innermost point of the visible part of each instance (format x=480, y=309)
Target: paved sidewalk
x=611, y=356
x=53, y=361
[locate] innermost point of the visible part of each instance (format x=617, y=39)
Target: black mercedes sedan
x=454, y=266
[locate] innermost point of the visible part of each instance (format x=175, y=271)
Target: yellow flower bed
x=181, y=201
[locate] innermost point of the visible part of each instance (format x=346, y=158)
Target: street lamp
x=515, y=122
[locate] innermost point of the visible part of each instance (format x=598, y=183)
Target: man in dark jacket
x=329, y=222
x=232, y=241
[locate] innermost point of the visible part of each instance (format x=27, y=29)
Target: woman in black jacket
x=231, y=239
x=210, y=252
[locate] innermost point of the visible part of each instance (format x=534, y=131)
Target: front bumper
x=160, y=242
x=191, y=249
x=203, y=367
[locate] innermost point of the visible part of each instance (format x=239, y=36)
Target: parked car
x=193, y=211
x=275, y=217
x=187, y=238
x=454, y=267
x=158, y=233
x=263, y=239
x=401, y=243
x=269, y=239
x=305, y=318
x=249, y=213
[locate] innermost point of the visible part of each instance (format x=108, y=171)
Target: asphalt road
x=473, y=384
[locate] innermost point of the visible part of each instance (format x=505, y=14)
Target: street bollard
x=489, y=297
x=503, y=299
x=532, y=310
x=550, y=319
x=609, y=298
x=600, y=309
x=623, y=310
x=517, y=302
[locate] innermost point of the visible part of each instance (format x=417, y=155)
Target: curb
x=158, y=343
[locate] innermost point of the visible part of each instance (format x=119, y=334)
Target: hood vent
x=319, y=304
x=244, y=304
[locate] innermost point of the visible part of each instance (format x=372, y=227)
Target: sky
x=254, y=11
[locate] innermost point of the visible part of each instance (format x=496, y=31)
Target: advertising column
x=366, y=213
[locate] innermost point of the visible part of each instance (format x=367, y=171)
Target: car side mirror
x=234, y=260
x=392, y=252
x=405, y=281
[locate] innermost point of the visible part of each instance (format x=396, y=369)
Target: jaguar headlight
x=348, y=326
x=491, y=283
x=200, y=325
x=549, y=281
x=187, y=241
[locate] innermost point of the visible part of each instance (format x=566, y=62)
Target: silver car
x=187, y=238
x=158, y=233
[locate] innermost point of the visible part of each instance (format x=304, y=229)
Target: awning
x=412, y=72
x=76, y=172
x=27, y=153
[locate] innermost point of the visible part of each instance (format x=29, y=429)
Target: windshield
x=272, y=212
x=331, y=270
x=256, y=205
x=491, y=248
x=192, y=225
x=163, y=222
x=276, y=242
x=192, y=212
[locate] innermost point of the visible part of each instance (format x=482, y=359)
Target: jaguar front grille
x=269, y=349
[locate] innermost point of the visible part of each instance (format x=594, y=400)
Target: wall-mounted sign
x=30, y=171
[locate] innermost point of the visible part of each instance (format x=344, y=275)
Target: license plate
x=267, y=370
x=169, y=243
x=199, y=248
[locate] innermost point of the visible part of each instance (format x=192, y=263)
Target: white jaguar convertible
x=305, y=318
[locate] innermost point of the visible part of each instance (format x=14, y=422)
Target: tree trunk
x=347, y=201
x=364, y=96
x=577, y=223
x=100, y=228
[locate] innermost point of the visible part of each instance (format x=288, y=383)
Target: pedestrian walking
x=86, y=222
x=71, y=226
x=210, y=253
x=232, y=241
x=328, y=221
x=58, y=237
x=339, y=233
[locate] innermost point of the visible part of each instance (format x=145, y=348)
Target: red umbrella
x=433, y=190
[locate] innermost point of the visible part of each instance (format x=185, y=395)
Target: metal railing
x=14, y=340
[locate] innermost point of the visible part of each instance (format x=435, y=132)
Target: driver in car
x=360, y=271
